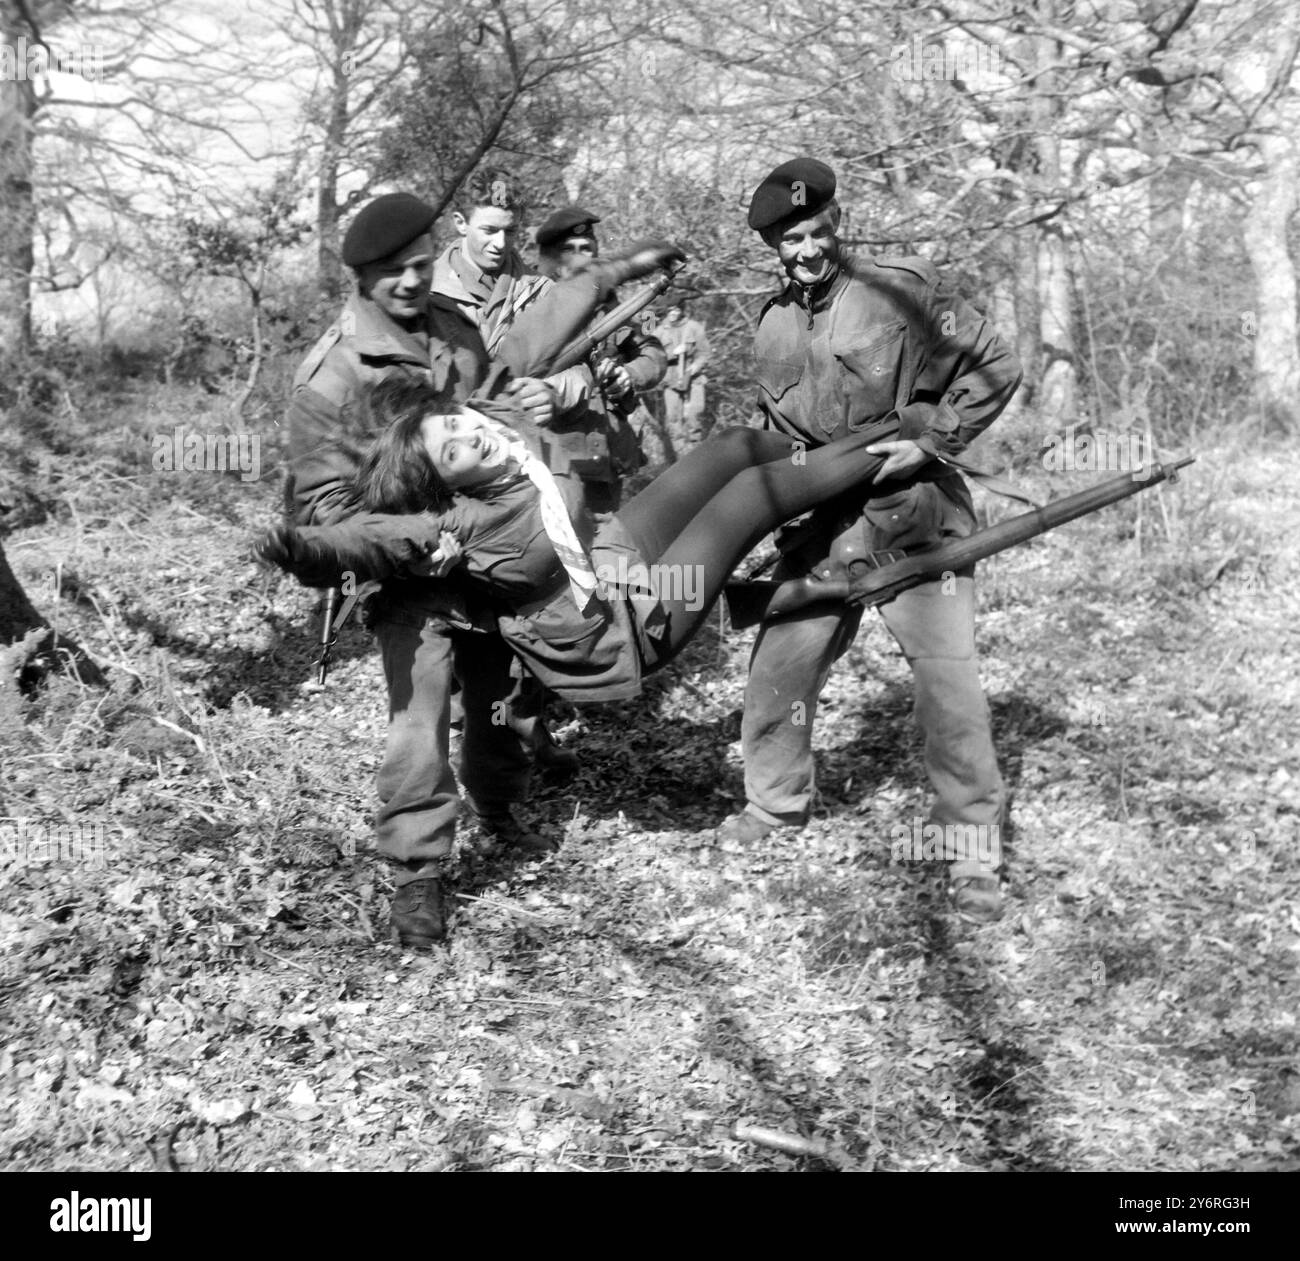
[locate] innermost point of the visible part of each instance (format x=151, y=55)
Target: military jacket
x=885, y=335
x=496, y=303
x=327, y=429
x=597, y=437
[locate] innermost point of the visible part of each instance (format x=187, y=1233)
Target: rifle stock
x=751, y=602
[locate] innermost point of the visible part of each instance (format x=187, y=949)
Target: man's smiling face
x=808, y=248
x=488, y=236
x=399, y=284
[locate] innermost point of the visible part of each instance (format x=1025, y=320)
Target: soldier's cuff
x=932, y=426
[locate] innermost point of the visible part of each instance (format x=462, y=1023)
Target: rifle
x=328, y=633
x=334, y=617
x=578, y=349
x=751, y=602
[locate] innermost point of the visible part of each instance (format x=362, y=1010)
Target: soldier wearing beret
x=482, y=274
x=597, y=436
x=427, y=628
x=847, y=342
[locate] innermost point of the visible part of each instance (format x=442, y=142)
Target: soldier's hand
x=536, y=398
x=905, y=456
x=443, y=558
x=642, y=258
x=651, y=253
x=614, y=376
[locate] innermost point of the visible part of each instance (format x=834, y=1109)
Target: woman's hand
x=278, y=546
x=442, y=559
x=313, y=564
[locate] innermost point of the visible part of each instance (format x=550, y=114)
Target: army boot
x=976, y=892
x=418, y=916
x=499, y=824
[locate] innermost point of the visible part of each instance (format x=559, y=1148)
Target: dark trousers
x=418, y=800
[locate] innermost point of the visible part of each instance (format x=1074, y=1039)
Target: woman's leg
x=690, y=572
x=656, y=516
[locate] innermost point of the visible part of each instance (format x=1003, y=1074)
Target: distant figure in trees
x=686, y=344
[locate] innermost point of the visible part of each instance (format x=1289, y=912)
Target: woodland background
x=1114, y=183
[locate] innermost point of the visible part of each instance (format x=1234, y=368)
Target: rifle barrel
x=887, y=582
x=333, y=598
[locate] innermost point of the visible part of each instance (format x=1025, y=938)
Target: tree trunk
x=345, y=23
x=1168, y=238
x=1058, y=389
x=1058, y=385
x=1273, y=201
x=259, y=341
x=329, y=268
x=17, y=208
x=29, y=647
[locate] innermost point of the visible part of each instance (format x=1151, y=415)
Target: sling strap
x=991, y=483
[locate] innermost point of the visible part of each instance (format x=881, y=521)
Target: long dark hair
x=396, y=474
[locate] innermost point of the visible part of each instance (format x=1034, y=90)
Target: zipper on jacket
x=807, y=302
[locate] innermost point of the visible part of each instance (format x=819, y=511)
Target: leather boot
x=743, y=829
x=418, y=915
x=976, y=892
x=498, y=823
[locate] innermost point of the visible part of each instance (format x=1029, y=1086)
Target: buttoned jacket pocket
x=871, y=368
x=911, y=518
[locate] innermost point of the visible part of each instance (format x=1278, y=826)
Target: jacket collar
x=455, y=276
x=379, y=336
x=816, y=298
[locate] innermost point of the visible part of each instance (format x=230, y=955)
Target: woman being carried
x=588, y=607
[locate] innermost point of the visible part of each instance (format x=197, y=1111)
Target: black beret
x=384, y=226
x=567, y=222
x=800, y=187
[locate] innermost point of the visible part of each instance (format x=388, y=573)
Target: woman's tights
x=695, y=522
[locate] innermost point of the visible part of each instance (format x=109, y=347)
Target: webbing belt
x=989, y=481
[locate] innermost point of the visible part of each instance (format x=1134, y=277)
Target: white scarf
x=583, y=583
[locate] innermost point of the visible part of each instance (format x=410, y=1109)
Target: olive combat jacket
x=327, y=431
x=597, y=436
x=594, y=433
x=888, y=334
